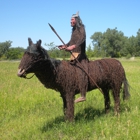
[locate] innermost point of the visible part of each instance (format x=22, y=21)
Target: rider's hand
x=70, y=48
x=61, y=47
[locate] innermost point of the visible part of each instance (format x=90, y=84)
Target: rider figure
x=77, y=45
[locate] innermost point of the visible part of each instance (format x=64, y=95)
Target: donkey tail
x=126, y=94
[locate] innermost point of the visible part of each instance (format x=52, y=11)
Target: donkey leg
x=68, y=106
x=116, y=95
x=106, y=100
x=64, y=105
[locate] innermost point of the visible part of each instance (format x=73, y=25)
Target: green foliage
x=4, y=47
x=14, y=53
x=128, y=56
x=89, y=52
x=29, y=111
x=54, y=52
x=113, y=43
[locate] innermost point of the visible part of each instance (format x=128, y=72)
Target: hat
x=75, y=15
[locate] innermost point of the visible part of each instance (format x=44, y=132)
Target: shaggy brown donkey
x=61, y=76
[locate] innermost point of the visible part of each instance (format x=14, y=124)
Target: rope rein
x=81, y=66
x=75, y=58
x=29, y=77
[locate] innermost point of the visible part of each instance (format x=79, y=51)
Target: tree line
x=10, y=53
x=111, y=43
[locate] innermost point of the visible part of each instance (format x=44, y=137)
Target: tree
x=54, y=52
x=14, y=53
x=97, y=38
x=108, y=43
x=89, y=52
x=131, y=48
x=124, y=50
x=4, y=47
x=115, y=42
x=138, y=43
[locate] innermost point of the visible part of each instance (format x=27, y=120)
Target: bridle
x=29, y=77
x=35, y=56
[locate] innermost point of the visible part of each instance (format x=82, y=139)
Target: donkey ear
x=30, y=41
x=39, y=44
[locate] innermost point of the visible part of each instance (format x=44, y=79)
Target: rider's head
x=76, y=20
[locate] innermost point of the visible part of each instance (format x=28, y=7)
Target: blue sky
x=20, y=19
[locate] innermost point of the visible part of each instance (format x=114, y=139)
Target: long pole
x=76, y=59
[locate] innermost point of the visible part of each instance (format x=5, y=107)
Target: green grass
x=29, y=111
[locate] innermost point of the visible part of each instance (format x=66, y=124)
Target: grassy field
x=28, y=111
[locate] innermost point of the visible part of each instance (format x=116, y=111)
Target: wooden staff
x=76, y=59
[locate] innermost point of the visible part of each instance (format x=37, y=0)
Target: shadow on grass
x=125, y=107
x=88, y=114
x=53, y=123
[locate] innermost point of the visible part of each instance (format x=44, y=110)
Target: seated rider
x=77, y=45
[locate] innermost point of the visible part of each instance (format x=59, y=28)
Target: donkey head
x=31, y=58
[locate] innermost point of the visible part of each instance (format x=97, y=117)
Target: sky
x=20, y=19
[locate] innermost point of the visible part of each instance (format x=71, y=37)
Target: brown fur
x=61, y=76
